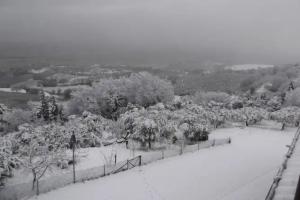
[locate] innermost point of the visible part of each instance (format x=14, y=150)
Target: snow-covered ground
x=10, y=90
x=87, y=158
x=248, y=67
x=242, y=170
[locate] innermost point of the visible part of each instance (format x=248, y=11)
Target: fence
x=24, y=190
x=166, y=153
x=283, y=166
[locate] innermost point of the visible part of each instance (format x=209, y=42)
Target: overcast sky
x=153, y=31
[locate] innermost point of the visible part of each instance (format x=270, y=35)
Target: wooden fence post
x=140, y=160
x=181, y=147
x=37, y=187
x=297, y=194
x=73, y=156
x=104, y=169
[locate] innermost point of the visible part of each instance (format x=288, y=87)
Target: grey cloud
x=156, y=31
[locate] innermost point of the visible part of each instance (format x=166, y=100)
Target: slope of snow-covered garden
x=243, y=170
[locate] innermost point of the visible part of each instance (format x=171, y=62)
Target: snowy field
x=248, y=67
x=10, y=90
x=242, y=170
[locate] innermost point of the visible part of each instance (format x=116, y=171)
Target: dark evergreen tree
x=44, y=111
x=61, y=114
x=53, y=109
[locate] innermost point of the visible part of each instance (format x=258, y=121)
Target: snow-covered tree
x=248, y=115
x=8, y=161
x=194, y=129
x=15, y=117
x=293, y=97
x=274, y=103
x=83, y=100
x=211, y=99
x=109, y=95
x=145, y=132
x=49, y=110
x=287, y=116
x=53, y=109
x=44, y=110
x=39, y=153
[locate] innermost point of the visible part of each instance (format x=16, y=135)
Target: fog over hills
x=151, y=32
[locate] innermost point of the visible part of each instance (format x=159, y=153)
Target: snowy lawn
x=87, y=158
x=242, y=170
